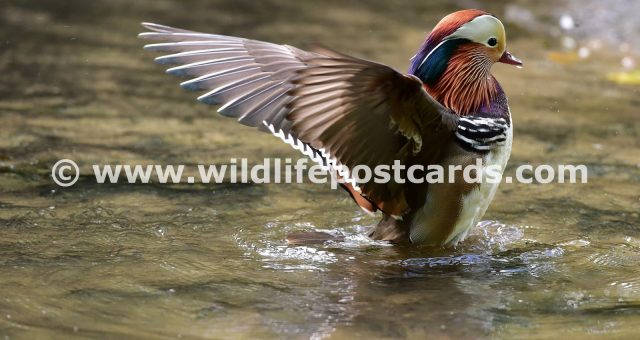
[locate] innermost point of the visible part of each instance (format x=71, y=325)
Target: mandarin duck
x=338, y=109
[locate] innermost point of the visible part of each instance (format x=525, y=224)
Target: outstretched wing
x=351, y=111
x=249, y=78
x=365, y=113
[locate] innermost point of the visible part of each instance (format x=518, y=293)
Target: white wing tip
x=156, y=27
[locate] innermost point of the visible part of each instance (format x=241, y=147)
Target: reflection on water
x=210, y=261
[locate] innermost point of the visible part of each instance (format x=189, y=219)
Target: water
x=210, y=261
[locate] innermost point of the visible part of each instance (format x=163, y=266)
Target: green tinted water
x=210, y=261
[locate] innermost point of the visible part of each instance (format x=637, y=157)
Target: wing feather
x=335, y=108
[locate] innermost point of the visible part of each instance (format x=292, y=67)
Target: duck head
x=454, y=63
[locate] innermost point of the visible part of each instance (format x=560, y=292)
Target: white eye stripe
x=480, y=30
x=431, y=52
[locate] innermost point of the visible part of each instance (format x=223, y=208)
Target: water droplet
x=566, y=22
x=628, y=62
x=584, y=52
x=568, y=43
x=160, y=231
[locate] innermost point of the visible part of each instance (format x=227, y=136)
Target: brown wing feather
x=355, y=111
x=249, y=77
x=365, y=113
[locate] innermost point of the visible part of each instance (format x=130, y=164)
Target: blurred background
x=210, y=261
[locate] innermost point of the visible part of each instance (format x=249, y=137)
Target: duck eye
x=492, y=42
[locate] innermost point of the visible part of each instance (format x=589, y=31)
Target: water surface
x=210, y=261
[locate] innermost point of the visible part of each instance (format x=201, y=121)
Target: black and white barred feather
x=481, y=133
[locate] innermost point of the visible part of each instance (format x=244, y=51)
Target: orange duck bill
x=508, y=58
